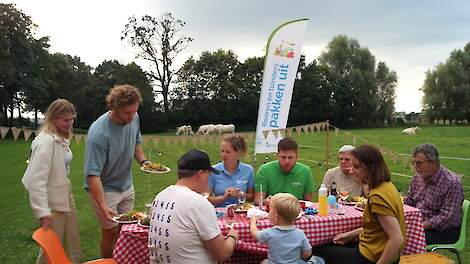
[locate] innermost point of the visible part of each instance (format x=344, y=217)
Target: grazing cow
x=410, y=131
x=204, y=128
x=184, y=130
x=227, y=129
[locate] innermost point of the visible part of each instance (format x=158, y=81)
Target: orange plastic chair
x=54, y=251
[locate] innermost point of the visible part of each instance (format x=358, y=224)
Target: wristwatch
x=144, y=161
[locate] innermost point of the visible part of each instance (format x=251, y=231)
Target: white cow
x=410, y=131
x=227, y=129
x=204, y=128
x=184, y=130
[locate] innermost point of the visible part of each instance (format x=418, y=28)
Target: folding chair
x=459, y=245
x=54, y=251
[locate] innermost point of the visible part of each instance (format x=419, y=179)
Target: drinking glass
x=344, y=194
x=242, y=197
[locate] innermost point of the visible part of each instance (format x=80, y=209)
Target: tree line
x=447, y=88
x=344, y=84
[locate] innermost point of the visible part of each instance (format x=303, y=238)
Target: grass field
x=18, y=223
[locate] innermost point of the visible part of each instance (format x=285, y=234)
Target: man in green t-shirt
x=284, y=175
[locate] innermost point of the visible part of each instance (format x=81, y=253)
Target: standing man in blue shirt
x=112, y=141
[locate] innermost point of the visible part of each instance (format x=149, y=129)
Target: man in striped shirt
x=438, y=193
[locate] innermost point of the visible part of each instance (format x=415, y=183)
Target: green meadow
x=18, y=224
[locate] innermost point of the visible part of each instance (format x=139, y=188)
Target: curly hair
x=123, y=95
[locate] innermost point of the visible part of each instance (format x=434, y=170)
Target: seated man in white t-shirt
x=341, y=175
x=183, y=223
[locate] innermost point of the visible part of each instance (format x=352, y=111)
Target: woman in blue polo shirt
x=236, y=179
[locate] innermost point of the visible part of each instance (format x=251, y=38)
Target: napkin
x=256, y=212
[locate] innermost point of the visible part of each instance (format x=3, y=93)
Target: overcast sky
x=411, y=37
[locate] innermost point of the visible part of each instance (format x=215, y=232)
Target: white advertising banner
x=280, y=69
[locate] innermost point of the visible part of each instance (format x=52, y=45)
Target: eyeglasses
x=345, y=159
x=418, y=163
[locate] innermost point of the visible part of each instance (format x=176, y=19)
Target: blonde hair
x=286, y=205
x=123, y=95
x=237, y=142
x=55, y=110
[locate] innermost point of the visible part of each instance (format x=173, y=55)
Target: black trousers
x=447, y=236
x=348, y=253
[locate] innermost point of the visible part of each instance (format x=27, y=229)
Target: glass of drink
x=242, y=197
x=344, y=194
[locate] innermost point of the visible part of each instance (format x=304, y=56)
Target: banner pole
x=327, y=145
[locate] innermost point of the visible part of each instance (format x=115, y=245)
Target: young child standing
x=287, y=244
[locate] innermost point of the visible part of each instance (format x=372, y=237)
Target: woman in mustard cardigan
x=383, y=230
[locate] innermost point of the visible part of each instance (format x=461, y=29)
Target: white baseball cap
x=346, y=148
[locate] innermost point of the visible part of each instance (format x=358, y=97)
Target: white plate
x=301, y=213
x=307, y=203
x=347, y=203
x=358, y=207
x=115, y=219
x=155, y=171
x=143, y=226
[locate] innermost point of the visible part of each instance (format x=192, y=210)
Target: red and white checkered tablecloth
x=131, y=246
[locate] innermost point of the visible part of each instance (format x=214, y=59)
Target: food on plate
x=361, y=202
x=243, y=207
x=154, y=166
x=354, y=199
x=145, y=221
x=131, y=216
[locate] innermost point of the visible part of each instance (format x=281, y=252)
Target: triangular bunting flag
x=317, y=127
x=298, y=129
x=289, y=131
x=27, y=133
x=4, y=131
x=305, y=128
x=202, y=140
x=336, y=131
x=78, y=138
x=167, y=140
x=156, y=140
x=146, y=139
x=16, y=132
x=311, y=127
x=276, y=133
x=354, y=141
x=194, y=140
x=183, y=140
x=265, y=134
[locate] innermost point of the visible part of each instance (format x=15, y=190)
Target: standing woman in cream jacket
x=46, y=178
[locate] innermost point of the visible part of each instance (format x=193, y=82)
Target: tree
x=16, y=57
x=447, y=88
x=205, y=87
x=352, y=72
x=111, y=73
x=312, y=96
x=158, y=42
x=36, y=92
x=386, y=82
